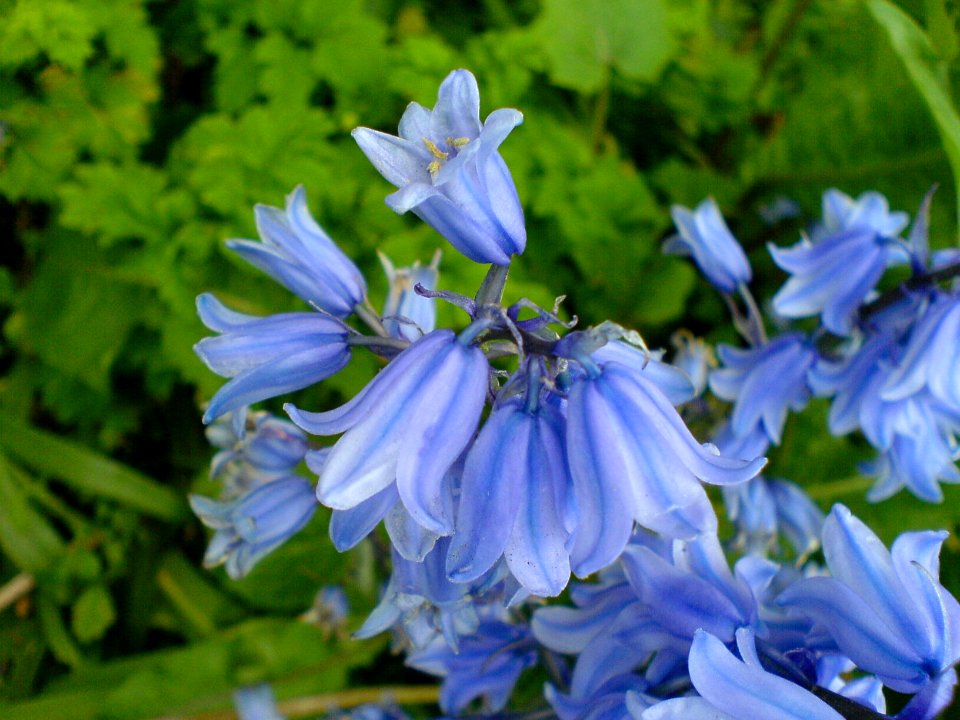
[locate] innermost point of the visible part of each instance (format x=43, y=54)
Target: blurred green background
x=136, y=136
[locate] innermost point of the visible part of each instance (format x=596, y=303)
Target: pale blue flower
x=299, y=255
x=836, y=270
x=633, y=459
x=763, y=383
x=449, y=172
x=407, y=426
x=514, y=496
x=885, y=610
x=705, y=236
x=267, y=356
x=406, y=314
x=250, y=527
x=256, y=702
x=738, y=689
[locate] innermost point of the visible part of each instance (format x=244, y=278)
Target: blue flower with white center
x=256, y=702
x=299, y=255
x=449, y=172
x=705, y=236
x=267, y=356
x=269, y=450
x=885, y=610
x=836, y=270
x=738, y=689
x=406, y=314
x=763, y=382
x=514, y=496
x=632, y=459
x=250, y=527
x=407, y=426
x=487, y=665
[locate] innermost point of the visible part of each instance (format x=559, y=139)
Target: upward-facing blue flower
x=408, y=426
x=705, y=236
x=886, y=611
x=836, y=271
x=449, y=173
x=299, y=255
x=267, y=356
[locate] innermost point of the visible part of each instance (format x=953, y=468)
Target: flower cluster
x=494, y=485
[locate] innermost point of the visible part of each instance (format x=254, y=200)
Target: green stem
x=831, y=490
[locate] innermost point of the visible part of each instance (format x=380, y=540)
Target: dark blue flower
x=705, y=236
x=408, y=426
x=250, y=527
x=299, y=255
x=449, y=173
x=487, y=665
x=267, y=356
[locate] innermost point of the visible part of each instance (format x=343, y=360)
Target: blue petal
x=457, y=112
x=349, y=527
x=400, y=161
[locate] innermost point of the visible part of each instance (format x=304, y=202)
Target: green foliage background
x=136, y=136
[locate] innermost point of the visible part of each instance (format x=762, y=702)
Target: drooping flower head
x=632, y=458
x=407, y=426
x=885, y=610
x=449, y=172
x=250, y=527
x=298, y=254
x=267, y=356
x=705, y=236
x=405, y=313
x=833, y=272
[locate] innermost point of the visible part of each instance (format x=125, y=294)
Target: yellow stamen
x=434, y=150
x=458, y=142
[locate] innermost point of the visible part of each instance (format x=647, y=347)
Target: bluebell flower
x=349, y=527
x=299, y=255
x=931, y=359
x=250, y=527
x=269, y=449
x=886, y=611
x=406, y=314
x=487, y=665
x=705, y=236
x=695, y=358
x=514, y=497
x=256, y=702
x=449, y=172
x=633, y=459
x=330, y=610
x=421, y=604
x=763, y=383
x=267, y=356
x=738, y=689
x=408, y=426
x=836, y=270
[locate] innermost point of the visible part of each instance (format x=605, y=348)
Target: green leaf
x=55, y=632
x=93, y=614
x=62, y=30
x=584, y=38
x=927, y=72
x=25, y=535
x=89, y=471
